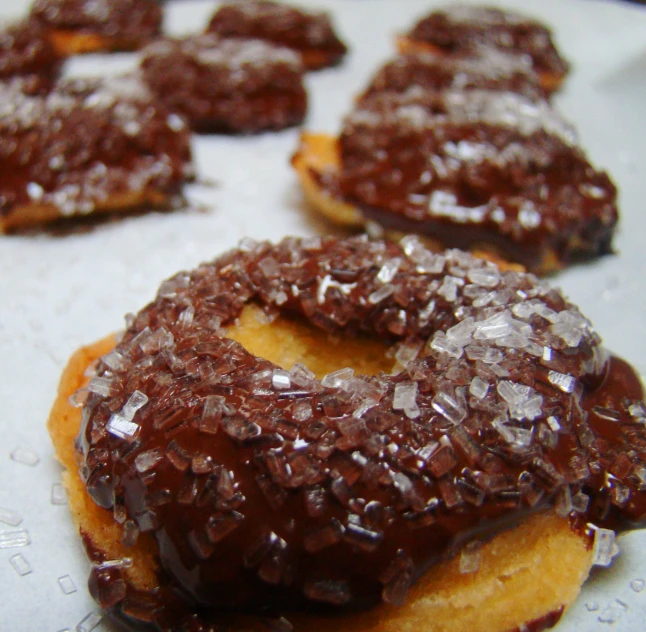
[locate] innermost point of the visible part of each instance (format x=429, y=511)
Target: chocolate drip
x=505, y=404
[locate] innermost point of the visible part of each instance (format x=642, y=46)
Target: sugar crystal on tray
x=603, y=547
x=10, y=517
x=67, y=585
x=12, y=538
x=26, y=457
x=89, y=622
x=20, y=564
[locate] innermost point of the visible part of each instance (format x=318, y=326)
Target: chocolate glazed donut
x=269, y=491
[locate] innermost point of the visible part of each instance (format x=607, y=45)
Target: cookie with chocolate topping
x=475, y=169
x=92, y=26
x=310, y=34
x=462, y=29
x=227, y=84
x=369, y=431
x=88, y=146
x=26, y=52
x=490, y=70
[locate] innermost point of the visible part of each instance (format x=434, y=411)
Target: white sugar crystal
x=562, y=381
x=638, y=585
x=637, y=410
x=523, y=401
x=175, y=123
x=114, y=360
x=492, y=356
x=470, y=557
x=388, y=270
x=613, y=612
x=405, y=396
x=10, y=517
x=89, y=622
x=101, y=386
x=136, y=401
x=553, y=423
x=461, y=333
x=406, y=353
x=302, y=411
x=442, y=344
x=123, y=428
x=523, y=310
x=449, y=407
x=379, y=295
x=528, y=216
x=337, y=379
x=26, y=457
x=20, y=564
x=147, y=460
x=58, y=495
x=485, y=276
x=78, y=398
x=478, y=387
x=592, y=606
x=580, y=502
x=496, y=326
x=67, y=585
x=13, y=538
x=602, y=547
x=280, y=379
x=512, y=341
x=449, y=288
x=35, y=191
x=185, y=319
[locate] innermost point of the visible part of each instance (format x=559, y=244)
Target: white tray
x=58, y=292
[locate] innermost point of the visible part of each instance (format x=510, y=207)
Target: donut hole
x=289, y=339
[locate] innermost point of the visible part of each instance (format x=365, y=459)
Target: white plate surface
x=57, y=293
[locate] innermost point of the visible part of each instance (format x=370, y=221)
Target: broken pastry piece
x=227, y=84
x=395, y=439
x=26, y=52
x=307, y=33
x=93, y=26
x=89, y=146
x=490, y=70
x=462, y=29
x=478, y=170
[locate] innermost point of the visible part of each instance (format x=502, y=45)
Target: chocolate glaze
x=308, y=33
x=85, y=141
x=132, y=22
x=474, y=167
x=227, y=85
x=25, y=51
x=490, y=70
x=269, y=491
x=460, y=28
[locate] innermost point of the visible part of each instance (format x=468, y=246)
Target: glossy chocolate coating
x=25, y=51
x=461, y=28
x=269, y=491
x=85, y=141
x=491, y=70
x=227, y=85
x=476, y=167
x=302, y=31
x=130, y=21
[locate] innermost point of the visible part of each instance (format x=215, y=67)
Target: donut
x=343, y=434
x=227, y=84
x=461, y=29
x=88, y=146
x=308, y=33
x=26, y=52
x=475, y=169
x=490, y=70
x=93, y=26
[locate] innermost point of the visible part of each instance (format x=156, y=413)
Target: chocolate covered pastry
x=491, y=70
x=88, y=146
x=26, y=52
x=227, y=85
x=395, y=439
x=307, y=33
x=92, y=26
x=462, y=29
x=482, y=170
